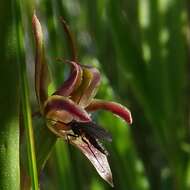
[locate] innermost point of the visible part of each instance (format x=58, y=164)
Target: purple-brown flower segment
x=68, y=110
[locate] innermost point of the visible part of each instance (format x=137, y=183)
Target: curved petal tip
x=113, y=107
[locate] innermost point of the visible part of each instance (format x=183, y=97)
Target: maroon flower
x=67, y=110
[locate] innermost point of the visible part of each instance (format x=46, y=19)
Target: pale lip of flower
x=72, y=102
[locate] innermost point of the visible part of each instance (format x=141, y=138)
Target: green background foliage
x=9, y=82
x=142, y=50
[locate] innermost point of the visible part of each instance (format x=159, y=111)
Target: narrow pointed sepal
x=113, y=107
x=41, y=69
x=71, y=40
x=97, y=158
x=59, y=108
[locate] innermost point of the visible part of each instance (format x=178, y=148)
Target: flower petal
x=58, y=128
x=41, y=69
x=114, y=107
x=89, y=86
x=59, y=108
x=97, y=158
x=72, y=82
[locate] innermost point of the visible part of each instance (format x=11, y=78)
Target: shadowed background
x=142, y=50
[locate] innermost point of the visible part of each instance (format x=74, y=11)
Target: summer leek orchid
x=67, y=110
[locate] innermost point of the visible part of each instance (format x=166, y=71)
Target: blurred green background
x=142, y=50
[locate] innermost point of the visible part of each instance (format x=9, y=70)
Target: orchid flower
x=68, y=110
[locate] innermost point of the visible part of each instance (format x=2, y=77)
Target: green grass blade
x=29, y=130
x=27, y=118
x=9, y=99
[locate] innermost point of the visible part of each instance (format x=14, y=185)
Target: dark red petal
x=72, y=82
x=58, y=107
x=97, y=158
x=91, y=91
x=114, y=107
x=89, y=86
